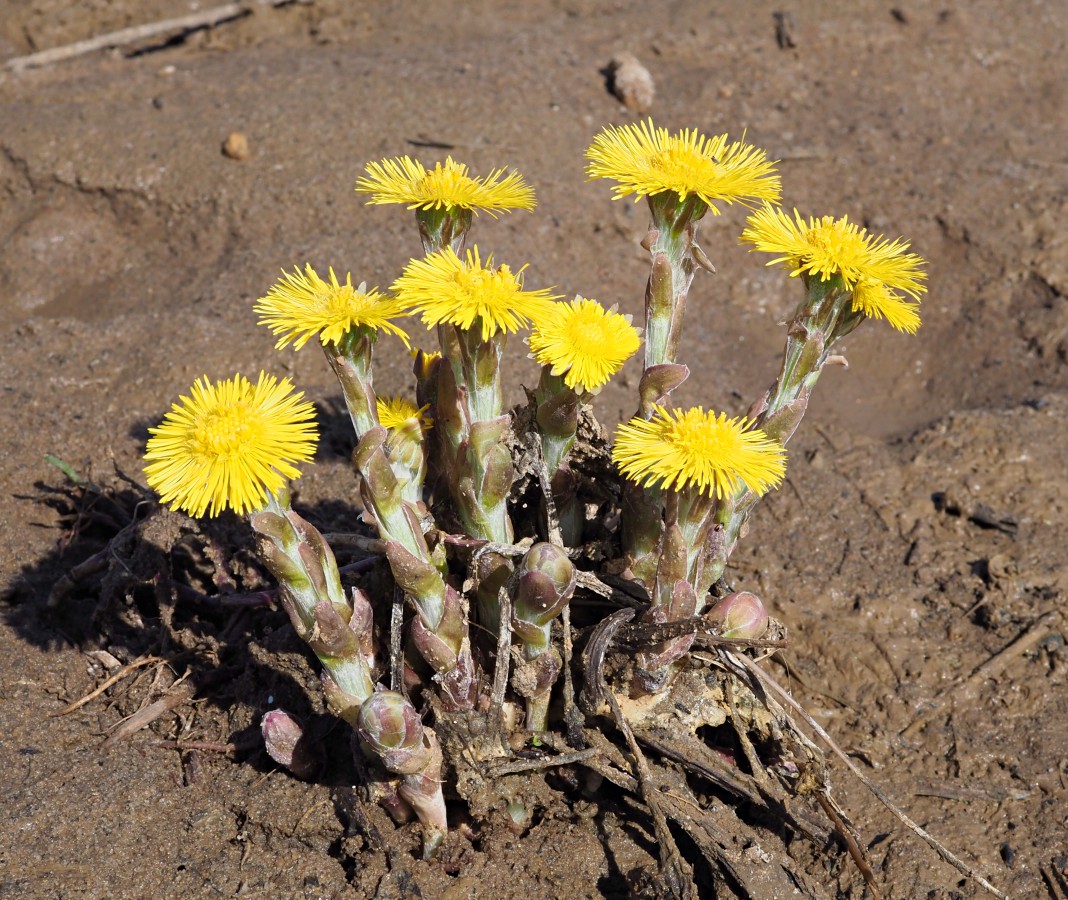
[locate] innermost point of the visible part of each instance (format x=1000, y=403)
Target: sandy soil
x=920, y=534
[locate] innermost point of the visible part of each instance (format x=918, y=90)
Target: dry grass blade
x=108, y=682
x=205, y=18
x=179, y=695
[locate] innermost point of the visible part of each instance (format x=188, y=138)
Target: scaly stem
x=350, y=359
x=675, y=256
x=440, y=630
x=310, y=591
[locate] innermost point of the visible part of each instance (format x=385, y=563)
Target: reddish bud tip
x=740, y=615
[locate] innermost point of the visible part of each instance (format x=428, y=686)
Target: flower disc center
x=844, y=247
x=224, y=433
x=703, y=439
x=586, y=335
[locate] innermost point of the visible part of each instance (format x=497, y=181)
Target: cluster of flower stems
x=690, y=478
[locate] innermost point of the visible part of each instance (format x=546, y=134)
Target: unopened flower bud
x=740, y=615
x=287, y=745
x=546, y=580
x=391, y=725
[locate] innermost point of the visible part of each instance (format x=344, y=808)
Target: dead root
x=768, y=682
x=782, y=775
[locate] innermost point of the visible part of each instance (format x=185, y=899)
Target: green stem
x=482, y=475
x=350, y=359
x=824, y=317
x=675, y=229
x=672, y=247
x=557, y=412
x=443, y=227
x=311, y=592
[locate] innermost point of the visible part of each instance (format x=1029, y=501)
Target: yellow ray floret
x=229, y=443
x=876, y=301
x=399, y=412
x=646, y=161
x=584, y=342
x=445, y=289
x=303, y=305
x=405, y=180
x=873, y=268
x=714, y=454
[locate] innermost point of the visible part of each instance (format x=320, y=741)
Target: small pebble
x=236, y=146
x=631, y=82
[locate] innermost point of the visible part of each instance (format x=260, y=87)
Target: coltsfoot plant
x=439, y=475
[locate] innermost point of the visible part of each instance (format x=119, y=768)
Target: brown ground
x=921, y=532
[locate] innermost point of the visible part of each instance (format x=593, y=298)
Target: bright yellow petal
x=877, y=301
x=404, y=180
x=682, y=448
x=584, y=342
x=229, y=444
x=646, y=161
x=445, y=289
x=399, y=412
x=302, y=306
x=873, y=267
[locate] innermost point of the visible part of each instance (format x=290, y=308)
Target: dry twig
x=830, y=809
x=511, y=767
x=396, y=643
x=677, y=872
x=504, y=642
x=205, y=18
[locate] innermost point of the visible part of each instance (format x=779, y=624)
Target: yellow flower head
x=230, y=443
x=584, y=342
x=405, y=180
x=448, y=290
x=301, y=306
x=646, y=161
x=398, y=413
x=873, y=268
x=715, y=454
